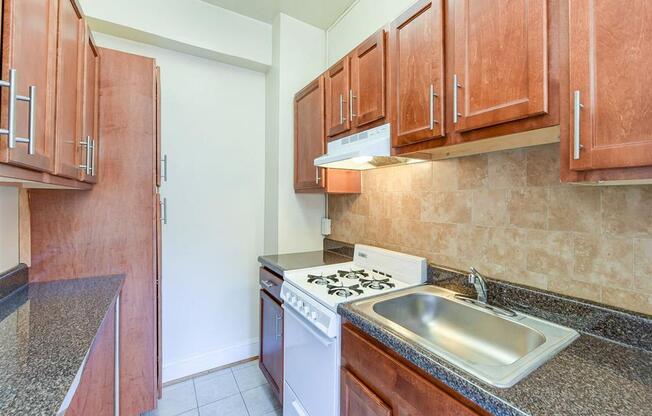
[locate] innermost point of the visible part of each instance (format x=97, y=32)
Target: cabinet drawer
x=271, y=282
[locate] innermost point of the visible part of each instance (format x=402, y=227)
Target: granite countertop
x=606, y=371
x=46, y=331
x=279, y=263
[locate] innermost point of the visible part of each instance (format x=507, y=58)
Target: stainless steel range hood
x=369, y=149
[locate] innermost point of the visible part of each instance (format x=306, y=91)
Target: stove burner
x=377, y=284
x=322, y=280
x=352, y=274
x=344, y=291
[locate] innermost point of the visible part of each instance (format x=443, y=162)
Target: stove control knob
x=313, y=315
x=293, y=299
x=300, y=304
x=306, y=310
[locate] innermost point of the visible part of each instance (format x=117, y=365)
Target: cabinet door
x=70, y=82
x=358, y=400
x=29, y=42
x=271, y=340
x=367, y=94
x=89, y=154
x=610, y=95
x=309, y=140
x=417, y=74
x=500, y=62
x=338, y=119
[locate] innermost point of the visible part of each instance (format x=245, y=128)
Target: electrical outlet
x=326, y=226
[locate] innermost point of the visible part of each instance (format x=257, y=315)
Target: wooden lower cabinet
x=377, y=383
x=95, y=393
x=271, y=342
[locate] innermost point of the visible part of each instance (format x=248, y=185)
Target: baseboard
x=210, y=360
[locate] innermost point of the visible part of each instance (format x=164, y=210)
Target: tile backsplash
x=507, y=214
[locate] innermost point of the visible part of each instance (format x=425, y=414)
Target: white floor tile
x=249, y=377
x=177, y=399
x=230, y=406
x=260, y=401
x=215, y=386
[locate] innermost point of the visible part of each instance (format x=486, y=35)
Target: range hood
x=369, y=149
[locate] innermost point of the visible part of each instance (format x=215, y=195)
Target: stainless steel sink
x=494, y=347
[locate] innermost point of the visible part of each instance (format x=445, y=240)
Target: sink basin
x=498, y=349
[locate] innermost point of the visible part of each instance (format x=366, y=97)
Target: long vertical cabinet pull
x=10, y=131
x=164, y=168
x=164, y=211
x=317, y=178
x=86, y=167
x=341, y=109
x=577, y=110
x=93, y=150
x=351, y=98
x=116, y=360
x=433, y=95
x=456, y=113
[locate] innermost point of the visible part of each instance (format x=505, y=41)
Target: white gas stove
x=312, y=325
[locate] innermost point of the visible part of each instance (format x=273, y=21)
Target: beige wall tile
x=643, y=265
x=360, y=204
x=604, y=261
x=421, y=176
x=627, y=211
x=550, y=253
x=398, y=178
x=528, y=207
x=576, y=289
x=378, y=205
x=574, y=208
x=524, y=277
x=444, y=175
x=507, y=169
x=543, y=165
x=635, y=301
x=507, y=246
x=473, y=172
x=411, y=205
x=441, y=239
x=446, y=207
x=490, y=207
x=472, y=242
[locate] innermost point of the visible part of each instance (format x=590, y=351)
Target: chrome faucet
x=478, y=281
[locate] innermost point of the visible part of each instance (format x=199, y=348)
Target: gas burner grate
x=377, y=284
x=352, y=274
x=322, y=280
x=344, y=291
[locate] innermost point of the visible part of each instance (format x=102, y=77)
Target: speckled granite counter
x=282, y=262
x=46, y=330
x=606, y=371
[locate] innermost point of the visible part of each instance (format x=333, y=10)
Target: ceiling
x=320, y=13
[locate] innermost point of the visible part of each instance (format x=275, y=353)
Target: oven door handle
x=323, y=339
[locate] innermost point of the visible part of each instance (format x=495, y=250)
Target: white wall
x=8, y=228
x=213, y=131
x=190, y=25
x=301, y=50
x=360, y=22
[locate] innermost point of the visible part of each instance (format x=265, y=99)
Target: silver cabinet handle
x=432, y=96
x=86, y=167
x=351, y=98
x=10, y=131
x=577, y=110
x=267, y=283
x=164, y=211
x=164, y=168
x=317, y=178
x=93, y=154
x=341, y=109
x=456, y=85
x=31, y=134
x=278, y=333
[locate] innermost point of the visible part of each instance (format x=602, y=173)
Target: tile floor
x=241, y=390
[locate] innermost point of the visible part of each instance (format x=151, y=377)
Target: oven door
x=311, y=367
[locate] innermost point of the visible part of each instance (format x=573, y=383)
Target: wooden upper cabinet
x=29, y=34
x=90, y=151
x=70, y=83
x=610, y=111
x=416, y=59
x=358, y=400
x=367, y=93
x=309, y=139
x=338, y=89
x=500, y=61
